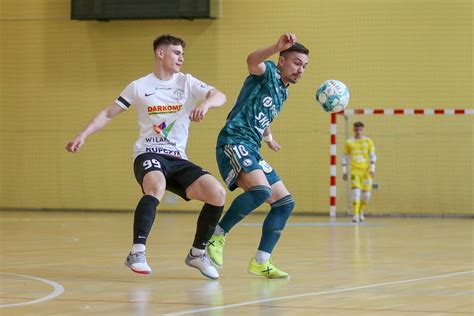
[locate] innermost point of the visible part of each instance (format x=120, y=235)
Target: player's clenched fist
x=198, y=113
x=286, y=41
x=75, y=144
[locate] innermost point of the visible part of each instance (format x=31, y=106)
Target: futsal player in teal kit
x=238, y=151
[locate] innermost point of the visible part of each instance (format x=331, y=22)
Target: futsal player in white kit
x=166, y=101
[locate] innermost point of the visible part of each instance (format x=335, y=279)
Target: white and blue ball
x=333, y=96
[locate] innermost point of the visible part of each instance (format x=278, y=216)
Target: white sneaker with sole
x=355, y=219
x=203, y=264
x=137, y=263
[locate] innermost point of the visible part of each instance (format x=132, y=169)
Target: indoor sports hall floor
x=55, y=263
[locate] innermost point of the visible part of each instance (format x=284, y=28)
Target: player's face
x=171, y=57
x=358, y=132
x=292, y=66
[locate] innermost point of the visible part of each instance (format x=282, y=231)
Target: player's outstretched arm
x=255, y=61
x=97, y=123
x=214, y=99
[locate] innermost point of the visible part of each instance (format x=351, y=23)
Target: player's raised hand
x=273, y=145
x=198, y=113
x=75, y=144
x=286, y=41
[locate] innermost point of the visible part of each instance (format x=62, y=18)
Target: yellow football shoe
x=266, y=269
x=215, y=249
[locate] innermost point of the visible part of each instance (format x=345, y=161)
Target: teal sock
x=275, y=223
x=243, y=205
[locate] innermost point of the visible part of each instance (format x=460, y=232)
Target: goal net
x=424, y=161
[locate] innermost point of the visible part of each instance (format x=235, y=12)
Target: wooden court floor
x=58, y=263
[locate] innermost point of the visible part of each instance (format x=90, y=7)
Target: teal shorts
x=234, y=158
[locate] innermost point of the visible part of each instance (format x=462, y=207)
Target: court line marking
x=281, y=298
x=58, y=290
x=320, y=224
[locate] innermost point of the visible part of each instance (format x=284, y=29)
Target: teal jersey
x=260, y=100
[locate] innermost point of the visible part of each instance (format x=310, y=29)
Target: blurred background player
x=165, y=101
x=360, y=151
x=238, y=150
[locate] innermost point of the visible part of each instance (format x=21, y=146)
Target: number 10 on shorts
x=240, y=151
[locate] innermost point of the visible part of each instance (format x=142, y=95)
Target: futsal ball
x=333, y=96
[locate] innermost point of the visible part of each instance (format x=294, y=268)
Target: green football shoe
x=266, y=269
x=215, y=249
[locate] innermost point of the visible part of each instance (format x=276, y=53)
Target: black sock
x=144, y=218
x=207, y=221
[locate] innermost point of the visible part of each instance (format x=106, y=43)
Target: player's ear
x=159, y=53
x=281, y=61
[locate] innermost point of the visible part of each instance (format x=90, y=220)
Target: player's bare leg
x=154, y=185
x=208, y=190
x=279, y=191
x=245, y=181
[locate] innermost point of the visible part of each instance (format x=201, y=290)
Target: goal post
x=425, y=161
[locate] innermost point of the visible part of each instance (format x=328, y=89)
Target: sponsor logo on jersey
x=267, y=102
x=163, y=109
x=163, y=151
x=263, y=120
x=163, y=128
x=159, y=141
x=159, y=128
x=148, y=94
x=274, y=111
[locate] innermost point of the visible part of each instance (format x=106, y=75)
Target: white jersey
x=163, y=109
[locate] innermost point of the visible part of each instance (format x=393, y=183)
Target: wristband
x=344, y=169
x=268, y=138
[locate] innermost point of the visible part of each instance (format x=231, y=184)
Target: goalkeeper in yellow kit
x=360, y=152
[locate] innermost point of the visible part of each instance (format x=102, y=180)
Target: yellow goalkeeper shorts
x=360, y=178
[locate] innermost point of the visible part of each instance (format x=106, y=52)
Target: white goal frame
x=347, y=112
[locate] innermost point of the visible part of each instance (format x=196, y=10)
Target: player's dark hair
x=167, y=39
x=358, y=124
x=297, y=47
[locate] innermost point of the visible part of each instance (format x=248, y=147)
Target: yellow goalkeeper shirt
x=359, y=151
